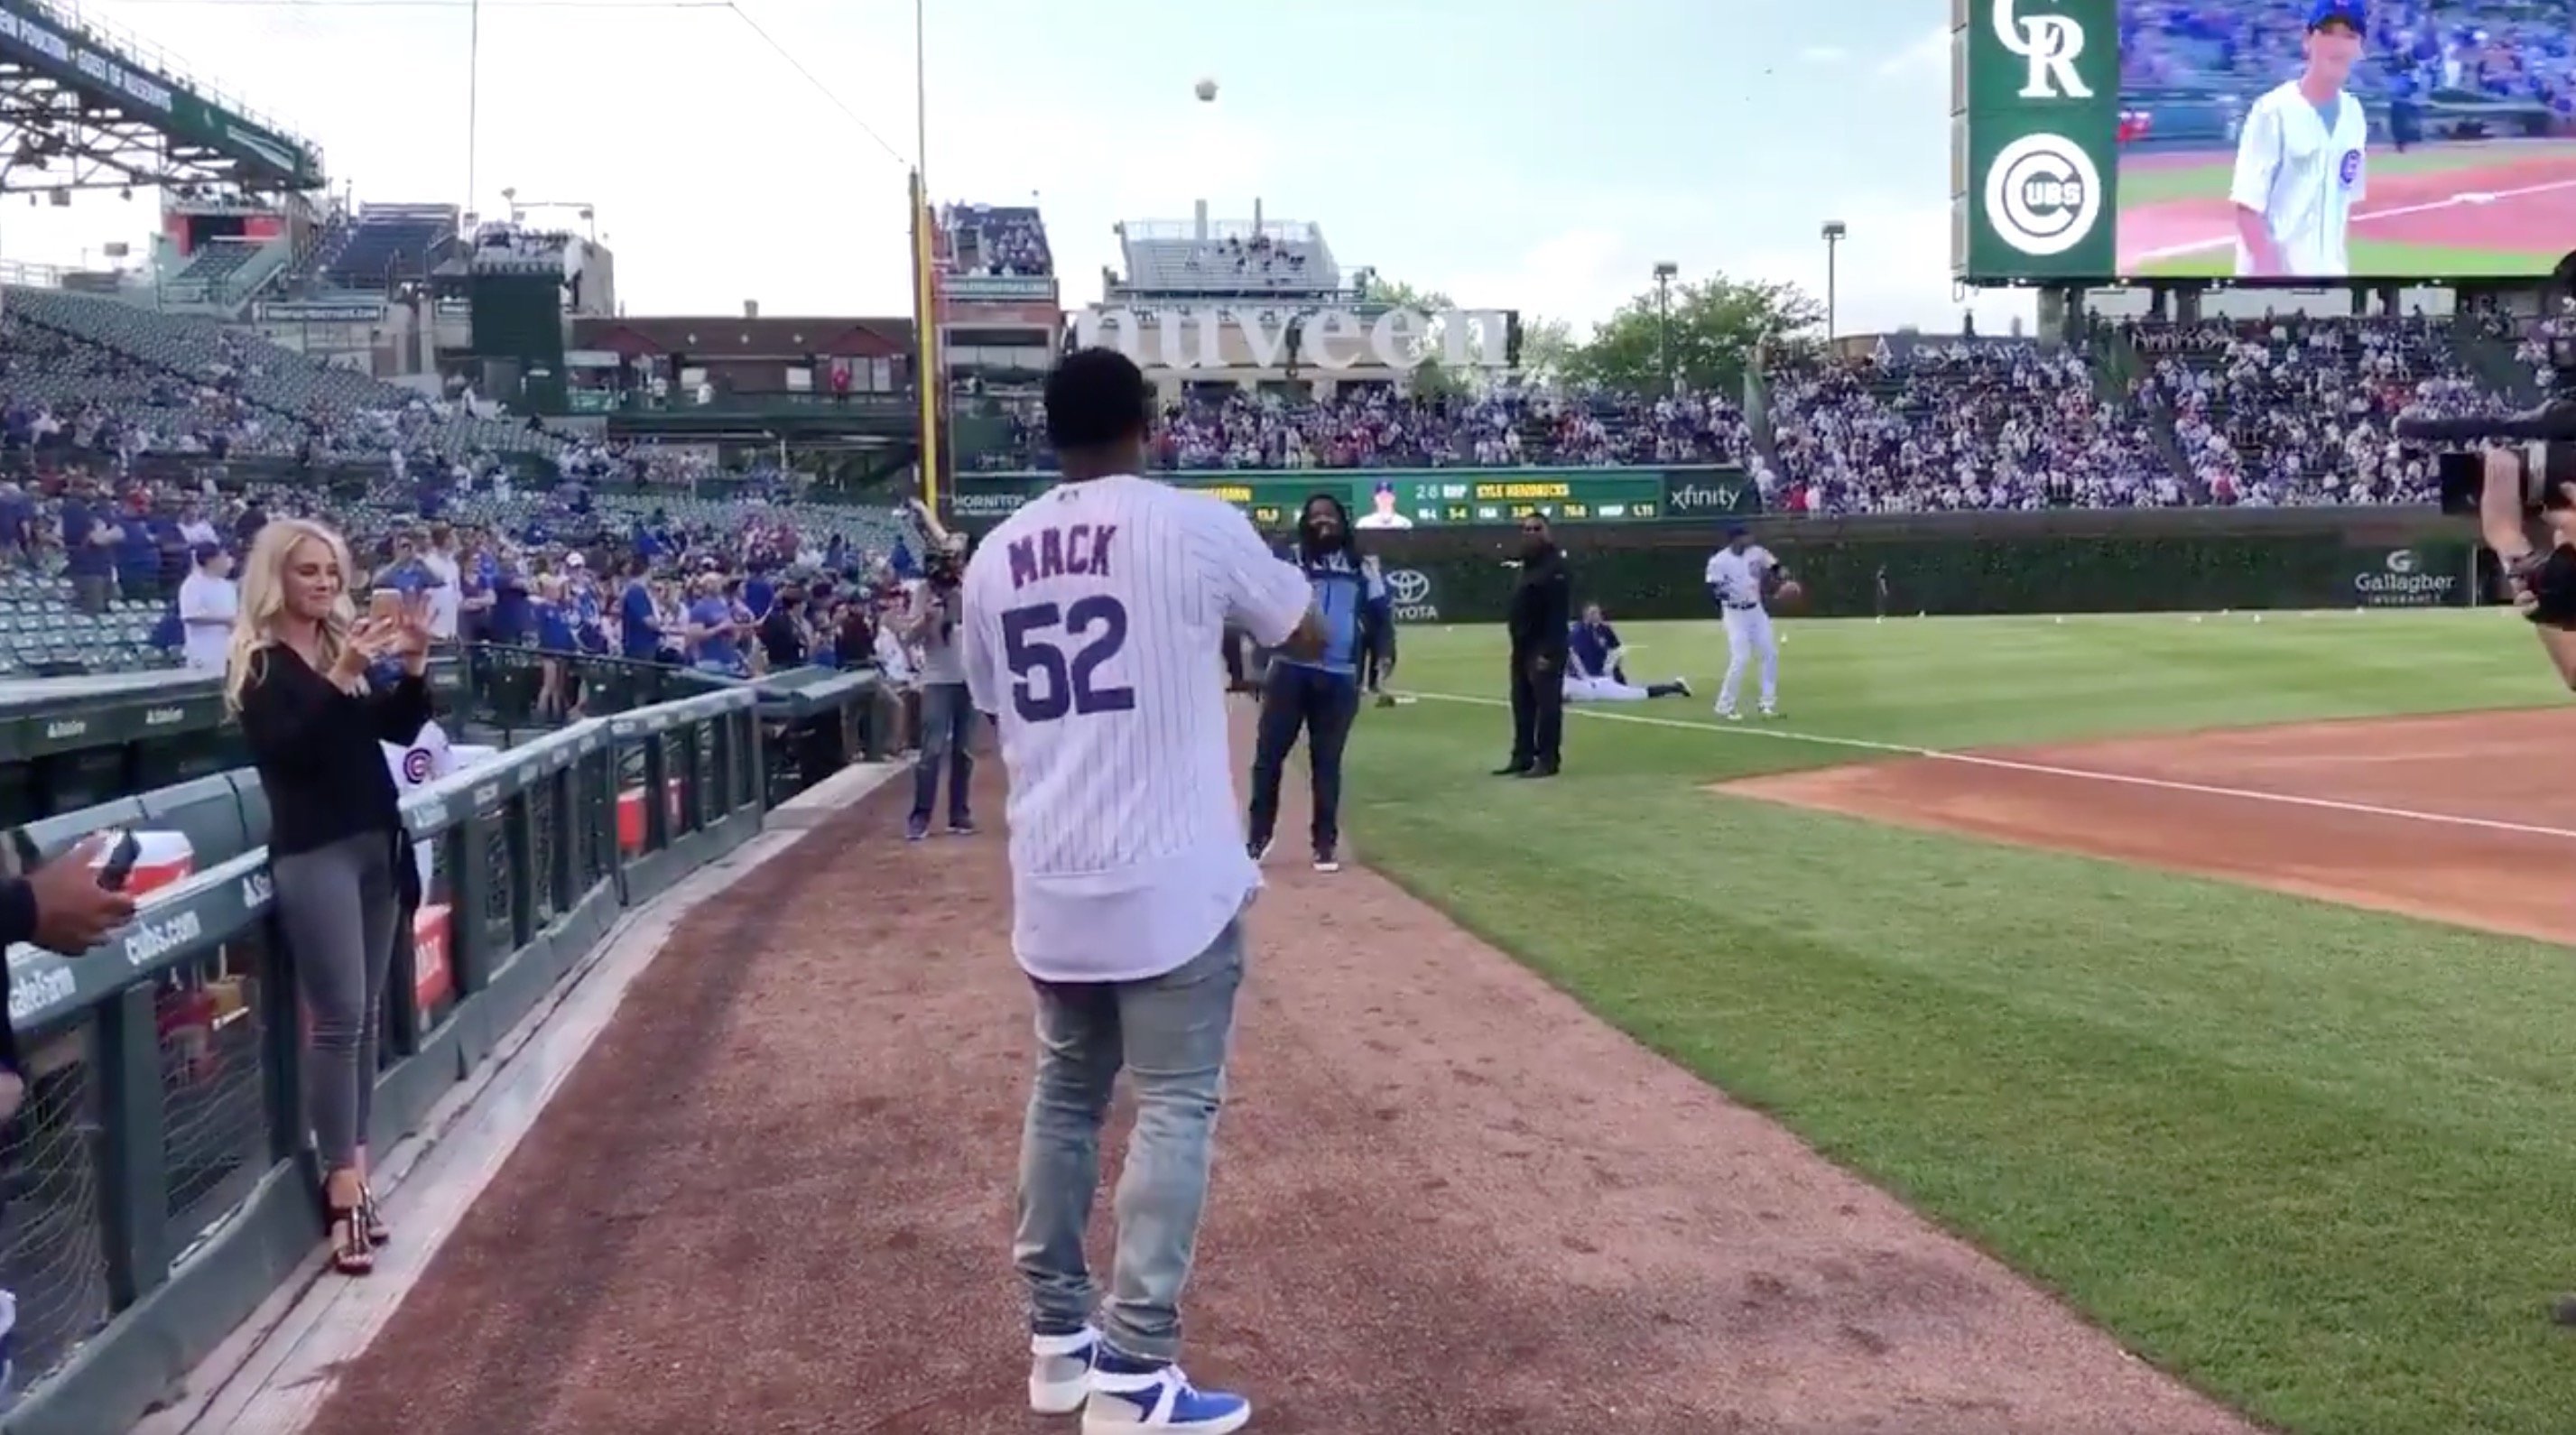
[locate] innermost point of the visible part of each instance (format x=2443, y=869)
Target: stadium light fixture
x=1664, y=272
x=1832, y=234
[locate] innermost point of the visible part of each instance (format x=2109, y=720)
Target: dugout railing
x=158, y=1177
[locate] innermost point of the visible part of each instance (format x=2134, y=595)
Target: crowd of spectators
x=998, y=240
x=1373, y=426
x=2503, y=49
x=1992, y=424
x=2287, y=410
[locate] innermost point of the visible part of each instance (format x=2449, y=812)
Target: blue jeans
x=1323, y=705
x=947, y=730
x=1171, y=1033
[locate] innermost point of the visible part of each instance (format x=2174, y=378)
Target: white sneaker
x=1730, y=714
x=1060, y=1371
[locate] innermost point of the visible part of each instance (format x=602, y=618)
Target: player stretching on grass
x=2299, y=159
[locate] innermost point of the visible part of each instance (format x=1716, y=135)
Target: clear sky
x=1514, y=153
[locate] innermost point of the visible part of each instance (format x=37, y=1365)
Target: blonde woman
x=298, y=677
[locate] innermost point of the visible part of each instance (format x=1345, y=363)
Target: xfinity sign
x=1333, y=340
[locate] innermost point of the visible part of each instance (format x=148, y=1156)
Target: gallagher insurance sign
x=2034, y=116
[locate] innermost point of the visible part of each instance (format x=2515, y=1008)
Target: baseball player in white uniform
x=1740, y=576
x=1091, y=618
x=2300, y=165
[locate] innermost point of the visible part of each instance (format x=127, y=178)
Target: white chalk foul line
x=2474, y=197
x=2042, y=769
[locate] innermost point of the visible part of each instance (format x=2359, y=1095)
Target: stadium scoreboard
x=1430, y=498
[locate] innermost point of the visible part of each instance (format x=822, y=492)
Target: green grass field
x=2167, y=181
x=2319, y=1162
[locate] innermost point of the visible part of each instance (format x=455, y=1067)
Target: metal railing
x=159, y=1179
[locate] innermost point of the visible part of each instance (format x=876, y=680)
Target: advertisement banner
x=1397, y=499
x=2409, y=578
x=35, y=37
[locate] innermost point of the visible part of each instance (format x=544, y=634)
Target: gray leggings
x=340, y=906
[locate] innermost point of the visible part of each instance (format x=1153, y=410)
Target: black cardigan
x=316, y=747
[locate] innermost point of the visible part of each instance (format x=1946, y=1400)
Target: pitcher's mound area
x=2436, y=817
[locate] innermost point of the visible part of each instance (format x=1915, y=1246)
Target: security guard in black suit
x=1542, y=611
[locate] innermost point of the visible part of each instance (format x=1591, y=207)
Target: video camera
x=2545, y=436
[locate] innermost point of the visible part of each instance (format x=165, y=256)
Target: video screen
x=2346, y=139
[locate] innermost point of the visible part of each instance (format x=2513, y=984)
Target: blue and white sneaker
x=1145, y=1397
x=1060, y=1371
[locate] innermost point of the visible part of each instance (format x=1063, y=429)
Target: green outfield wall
x=2048, y=562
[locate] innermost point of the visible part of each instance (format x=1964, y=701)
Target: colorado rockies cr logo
x=2049, y=45
x=2043, y=194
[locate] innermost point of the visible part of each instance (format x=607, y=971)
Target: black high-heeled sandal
x=351, y=1253
x=371, y=1217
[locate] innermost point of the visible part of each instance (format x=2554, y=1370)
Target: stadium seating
x=1281, y=258
x=388, y=244
x=999, y=240
x=358, y=410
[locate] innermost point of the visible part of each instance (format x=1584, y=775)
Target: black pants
x=1323, y=704
x=1538, y=710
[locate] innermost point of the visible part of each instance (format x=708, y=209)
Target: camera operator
x=2541, y=577
x=947, y=713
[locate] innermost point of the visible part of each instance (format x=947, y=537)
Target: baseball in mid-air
x=1206, y=91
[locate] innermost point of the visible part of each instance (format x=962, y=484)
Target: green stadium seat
x=48, y=837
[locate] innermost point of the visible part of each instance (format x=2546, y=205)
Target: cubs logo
x=415, y=767
x=2351, y=168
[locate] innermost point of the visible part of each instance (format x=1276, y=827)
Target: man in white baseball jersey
x=2299, y=164
x=1093, y=617
x=1739, y=576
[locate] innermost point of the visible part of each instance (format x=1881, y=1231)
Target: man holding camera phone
x=2541, y=576
x=930, y=626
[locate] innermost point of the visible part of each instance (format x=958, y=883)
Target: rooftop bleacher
x=998, y=240
x=1179, y=258
x=389, y=244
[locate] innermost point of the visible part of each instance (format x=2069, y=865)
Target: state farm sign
x=1333, y=340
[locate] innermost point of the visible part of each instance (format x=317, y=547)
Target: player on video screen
x=2299, y=158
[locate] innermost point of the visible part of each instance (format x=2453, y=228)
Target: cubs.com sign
x=2034, y=163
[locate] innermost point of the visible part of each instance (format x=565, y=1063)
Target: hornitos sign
x=1333, y=340
x=2037, y=157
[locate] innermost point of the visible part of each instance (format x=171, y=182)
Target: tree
x=1429, y=377
x=1547, y=348
x=1717, y=328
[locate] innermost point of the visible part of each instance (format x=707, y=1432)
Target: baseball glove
x=1791, y=594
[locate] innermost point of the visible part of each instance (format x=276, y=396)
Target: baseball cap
x=1383, y=486
x=2324, y=12
x=203, y=551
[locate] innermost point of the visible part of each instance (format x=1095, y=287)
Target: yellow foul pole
x=930, y=381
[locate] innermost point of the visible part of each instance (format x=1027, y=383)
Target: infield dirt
x=2400, y=858
x=777, y=1197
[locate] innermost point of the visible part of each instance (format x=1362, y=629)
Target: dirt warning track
x=2430, y=817
x=777, y=1197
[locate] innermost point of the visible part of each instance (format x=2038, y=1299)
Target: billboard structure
x=2313, y=142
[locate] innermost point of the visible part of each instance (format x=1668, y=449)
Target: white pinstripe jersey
x=2302, y=180
x=1094, y=619
x=1737, y=577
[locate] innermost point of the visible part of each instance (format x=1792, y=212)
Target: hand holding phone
x=118, y=869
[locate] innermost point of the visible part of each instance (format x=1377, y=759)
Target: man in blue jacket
x=1321, y=694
